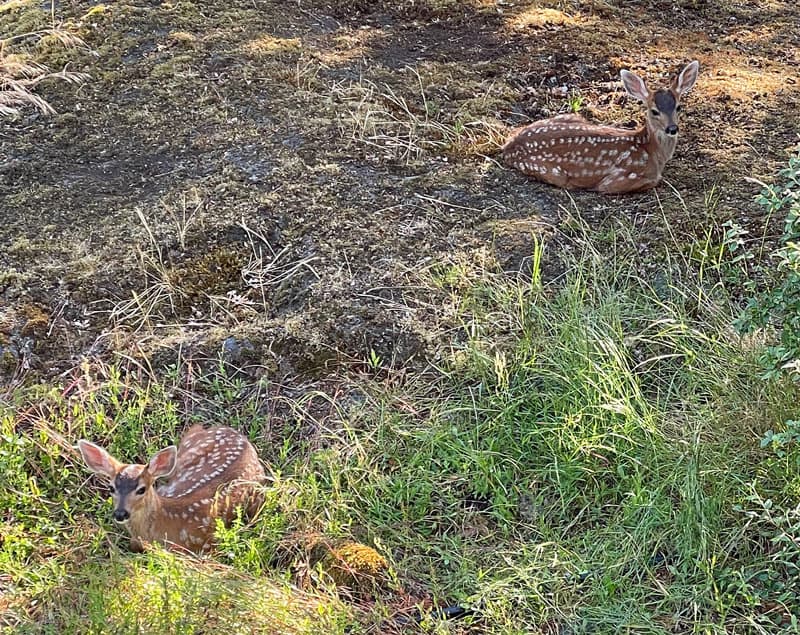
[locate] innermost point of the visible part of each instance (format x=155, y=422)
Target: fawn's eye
x=141, y=490
x=112, y=489
x=654, y=112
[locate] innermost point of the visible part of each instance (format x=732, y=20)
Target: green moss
x=8, y=361
x=55, y=53
x=36, y=320
x=21, y=17
x=409, y=9
x=185, y=14
x=212, y=273
x=356, y=566
x=267, y=46
x=183, y=39
x=10, y=278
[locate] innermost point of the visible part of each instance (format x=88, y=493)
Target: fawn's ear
x=688, y=76
x=634, y=85
x=163, y=462
x=98, y=460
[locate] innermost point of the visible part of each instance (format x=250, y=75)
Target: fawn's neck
x=660, y=146
x=153, y=514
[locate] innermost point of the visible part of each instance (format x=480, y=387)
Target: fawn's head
x=131, y=484
x=663, y=105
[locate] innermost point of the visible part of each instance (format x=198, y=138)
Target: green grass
x=584, y=456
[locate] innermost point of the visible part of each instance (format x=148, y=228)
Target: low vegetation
x=777, y=309
x=485, y=406
x=584, y=456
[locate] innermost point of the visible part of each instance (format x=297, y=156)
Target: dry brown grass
x=403, y=129
x=20, y=73
x=18, y=80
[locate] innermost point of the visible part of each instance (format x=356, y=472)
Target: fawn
x=570, y=152
x=210, y=473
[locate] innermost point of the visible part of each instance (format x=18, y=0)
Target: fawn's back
x=570, y=152
x=211, y=473
x=208, y=458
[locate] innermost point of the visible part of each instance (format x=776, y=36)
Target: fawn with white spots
x=570, y=152
x=209, y=474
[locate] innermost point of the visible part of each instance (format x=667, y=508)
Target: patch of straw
x=20, y=75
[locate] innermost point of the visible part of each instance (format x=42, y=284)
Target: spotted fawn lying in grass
x=570, y=152
x=209, y=474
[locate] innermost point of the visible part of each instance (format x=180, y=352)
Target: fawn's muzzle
x=672, y=129
x=121, y=515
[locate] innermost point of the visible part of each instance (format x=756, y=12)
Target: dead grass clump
x=215, y=272
x=222, y=284
x=183, y=39
x=268, y=46
x=20, y=73
x=37, y=320
x=404, y=128
x=19, y=78
x=207, y=286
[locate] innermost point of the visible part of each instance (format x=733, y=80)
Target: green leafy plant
x=575, y=101
x=773, y=583
x=778, y=309
x=374, y=362
x=250, y=547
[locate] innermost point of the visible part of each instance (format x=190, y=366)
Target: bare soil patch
x=294, y=174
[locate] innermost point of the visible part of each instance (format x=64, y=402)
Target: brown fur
x=570, y=152
x=212, y=471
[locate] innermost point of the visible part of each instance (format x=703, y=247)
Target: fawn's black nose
x=121, y=515
x=672, y=129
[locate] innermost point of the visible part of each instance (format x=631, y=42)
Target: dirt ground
x=280, y=182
